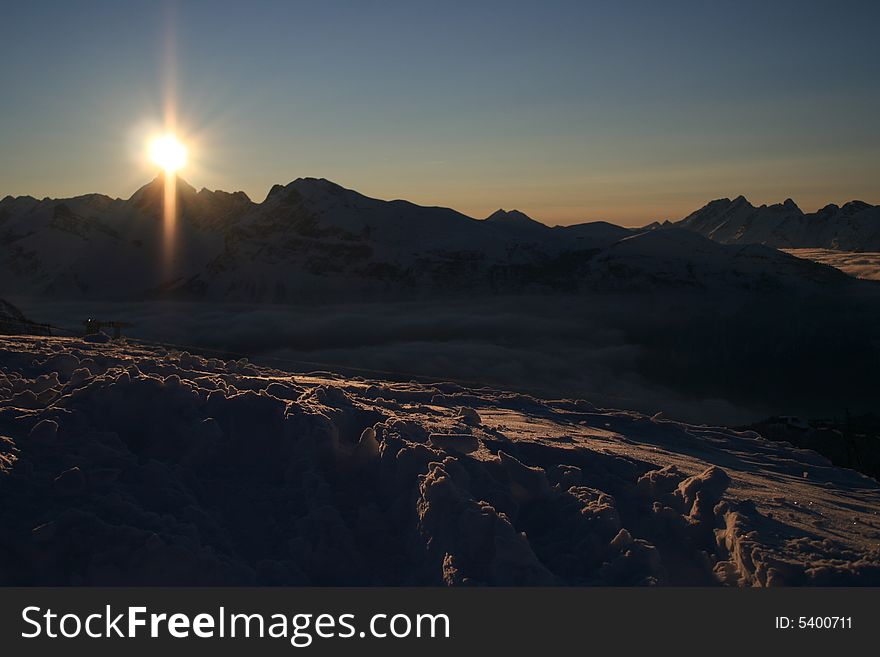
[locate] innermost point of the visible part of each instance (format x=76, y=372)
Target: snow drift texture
x=131, y=465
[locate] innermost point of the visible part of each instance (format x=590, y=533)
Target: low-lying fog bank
x=859, y=265
x=715, y=360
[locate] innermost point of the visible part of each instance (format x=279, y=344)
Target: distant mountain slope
x=97, y=247
x=853, y=227
x=678, y=258
x=315, y=240
x=13, y=322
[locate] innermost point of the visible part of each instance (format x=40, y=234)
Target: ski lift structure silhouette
x=94, y=326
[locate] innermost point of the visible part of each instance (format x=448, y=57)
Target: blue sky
x=570, y=111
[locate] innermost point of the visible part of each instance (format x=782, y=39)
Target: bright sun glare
x=168, y=152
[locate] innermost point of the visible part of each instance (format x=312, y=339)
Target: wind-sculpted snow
x=122, y=464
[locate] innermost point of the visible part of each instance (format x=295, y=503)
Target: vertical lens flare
x=168, y=153
x=169, y=218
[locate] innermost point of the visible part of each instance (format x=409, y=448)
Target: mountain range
x=313, y=240
x=855, y=226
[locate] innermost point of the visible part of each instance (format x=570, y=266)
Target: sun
x=168, y=152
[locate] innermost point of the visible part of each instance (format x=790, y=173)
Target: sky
x=569, y=111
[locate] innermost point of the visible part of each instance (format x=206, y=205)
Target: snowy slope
x=256, y=476
x=673, y=257
x=853, y=227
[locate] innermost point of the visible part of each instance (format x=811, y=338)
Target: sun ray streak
x=169, y=220
x=168, y=151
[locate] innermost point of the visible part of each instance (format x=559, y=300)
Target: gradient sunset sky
x=569, y=111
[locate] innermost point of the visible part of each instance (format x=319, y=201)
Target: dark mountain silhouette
x=313, y=239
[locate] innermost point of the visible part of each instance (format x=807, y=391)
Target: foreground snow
x=126, y=464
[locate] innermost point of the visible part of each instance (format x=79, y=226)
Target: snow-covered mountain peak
x=322, y=184
x=307, y=188
x=240, y=196
x=274, y=193
x=856, y=206
x=509, y=215
x=788, y=206
x=154, y=191
x=741, y=201
x=514, y=218
x=853, y=227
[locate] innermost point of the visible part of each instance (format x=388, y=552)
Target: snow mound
x=128, y=465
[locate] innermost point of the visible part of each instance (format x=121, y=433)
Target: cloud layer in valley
x=724, y=362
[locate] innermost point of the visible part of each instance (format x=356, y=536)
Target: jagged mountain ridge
x=313, y=239
x=855, y=226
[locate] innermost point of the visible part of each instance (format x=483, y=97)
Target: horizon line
x=160, y=176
